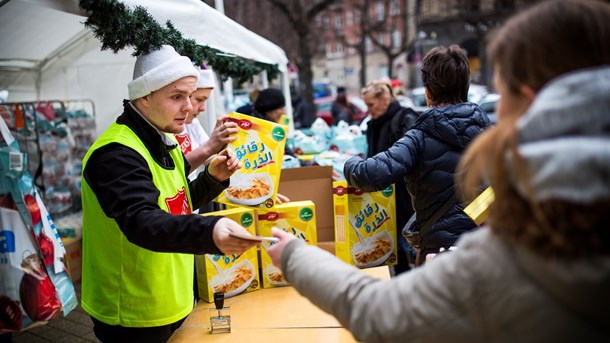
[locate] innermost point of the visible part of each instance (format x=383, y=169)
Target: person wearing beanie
x=269, y=105
x=139, y=235
x=194, y=142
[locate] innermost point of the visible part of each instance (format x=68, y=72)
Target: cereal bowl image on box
x=275, y=276
x=250, y=189
x=374, y=251
x=234, y=280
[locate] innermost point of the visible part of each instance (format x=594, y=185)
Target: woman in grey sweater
x=540, y=270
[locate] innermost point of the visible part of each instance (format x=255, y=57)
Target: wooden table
x=269, y=315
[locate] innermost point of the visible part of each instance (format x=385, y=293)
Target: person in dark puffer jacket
x=427, y=155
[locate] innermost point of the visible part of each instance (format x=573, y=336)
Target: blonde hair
x=378, y=89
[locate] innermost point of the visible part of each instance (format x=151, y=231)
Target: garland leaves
x=118, y=26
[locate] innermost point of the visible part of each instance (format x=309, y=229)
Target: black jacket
x=122, y=183
x=381, y=134
x=426, y=157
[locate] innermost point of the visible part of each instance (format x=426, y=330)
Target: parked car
x=488, y=104
x=475, y=94
x=323, y=106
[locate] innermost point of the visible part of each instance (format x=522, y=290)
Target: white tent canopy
x=47, y=53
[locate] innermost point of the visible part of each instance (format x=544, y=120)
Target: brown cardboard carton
x=313, y=183
x=74, y=255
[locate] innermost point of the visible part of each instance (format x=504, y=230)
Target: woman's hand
x=275, y=252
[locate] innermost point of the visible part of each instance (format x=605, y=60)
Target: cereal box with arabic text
x=260, y=148
x=365, y=225
x=298, y=218
x=230, y=274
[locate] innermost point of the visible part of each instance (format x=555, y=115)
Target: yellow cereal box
x=298, y=218
x=231, y=274
x=260, y=148
x=478, y=209
x=365, y=226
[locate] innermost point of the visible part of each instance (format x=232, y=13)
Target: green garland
x=117, y=26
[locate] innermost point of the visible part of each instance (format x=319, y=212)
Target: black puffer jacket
x=426, y=157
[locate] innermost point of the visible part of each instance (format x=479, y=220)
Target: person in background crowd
x=389, y=122
x=269, y=105
x=427, y=155
x=249, y=107
x=540, y=272
x=138, y=231
x=337, y=109
x=343, y=110
x=302, y=114
x=194, y=142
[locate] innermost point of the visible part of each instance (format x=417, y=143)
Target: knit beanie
x=269, y=99
x=158, y=69
x=206, y=79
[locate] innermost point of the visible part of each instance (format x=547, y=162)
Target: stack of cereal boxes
x=365, y=226
x=251, y=201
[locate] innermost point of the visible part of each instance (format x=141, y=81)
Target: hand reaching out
x=275, y=252
x=227, y=244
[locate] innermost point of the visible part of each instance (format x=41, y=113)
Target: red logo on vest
x=178, y=204
x=185, y=143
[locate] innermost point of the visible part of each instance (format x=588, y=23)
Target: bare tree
x=482, y=20
x=390, y=19
x=301, y=15
x=357, y=39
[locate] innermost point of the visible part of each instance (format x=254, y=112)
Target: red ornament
x=33, y=208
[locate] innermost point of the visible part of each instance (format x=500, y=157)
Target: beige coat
x=485, y=291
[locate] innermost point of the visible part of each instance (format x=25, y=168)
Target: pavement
x=74, y=328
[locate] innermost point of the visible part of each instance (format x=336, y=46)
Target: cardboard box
x=365, y=226
x=313, y=183
x=74, y=257
x=231, y=274
x=478, y=209
x=296, y=217
x=260, y=148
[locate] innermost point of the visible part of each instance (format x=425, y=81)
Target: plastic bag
x=349, y=139
x=34, y=286
x=305, y=145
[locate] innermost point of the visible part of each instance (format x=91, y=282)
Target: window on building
x=339, y=49
x=318, y=21
x=368, y=45
x=328, y=49
x=349, y=18
x=326, y=21
x=338, y=21
x=394, y=7
x=395, y=38
x=379, y=11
